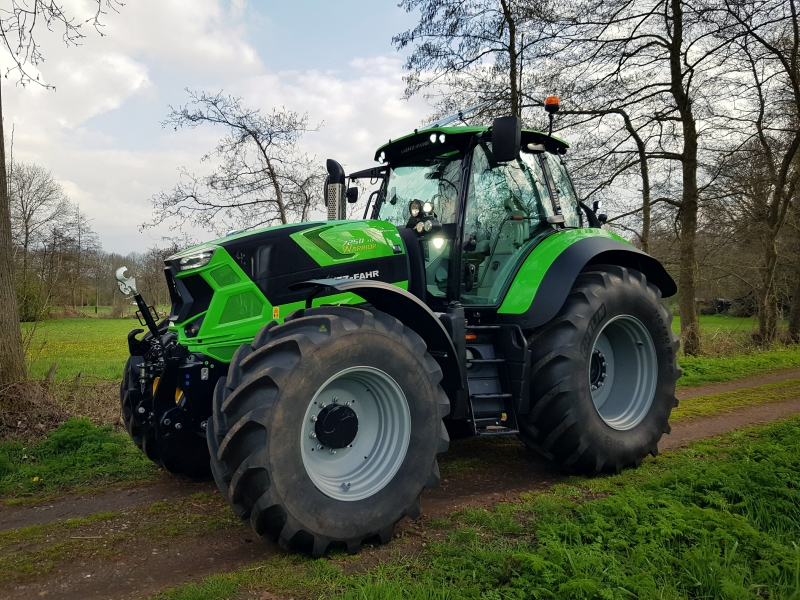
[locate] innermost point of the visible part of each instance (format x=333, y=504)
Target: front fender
x=547, y=275
x=410, y=311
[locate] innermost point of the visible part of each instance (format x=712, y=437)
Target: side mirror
x=352, y=195
x=506, y=137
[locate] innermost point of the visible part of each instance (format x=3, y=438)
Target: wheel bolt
x=335, y=399
x=349, y=403
x=140, y=410
x=322, y=405
x=313, y=434
x=203, y=425
x=333, y=451
x=313, y=418
x=178, y=426
x=320, y=447
x=594, y=387
x=167, y=422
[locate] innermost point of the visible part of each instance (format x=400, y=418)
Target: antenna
x=459, y=116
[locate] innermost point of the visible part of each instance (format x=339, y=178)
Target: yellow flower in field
x=35, y=479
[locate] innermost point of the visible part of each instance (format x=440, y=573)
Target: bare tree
x=19, y=23
x=474, y=52
x=261, y=176
x=38, y=204
x=768, y=52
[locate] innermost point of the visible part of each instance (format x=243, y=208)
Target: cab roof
x=419, y=145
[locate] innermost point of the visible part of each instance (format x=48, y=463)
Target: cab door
x=507, y=209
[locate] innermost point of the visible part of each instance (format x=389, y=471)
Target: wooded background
x=683, y=115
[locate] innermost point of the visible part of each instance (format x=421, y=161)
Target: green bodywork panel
x=527, y=280
x=343, y=241
x=238, y=308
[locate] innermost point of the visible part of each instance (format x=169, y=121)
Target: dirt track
x=476, y=472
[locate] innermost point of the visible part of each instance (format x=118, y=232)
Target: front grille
x=190, y=295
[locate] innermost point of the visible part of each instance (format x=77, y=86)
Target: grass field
x=718, y=520
x=94, y=347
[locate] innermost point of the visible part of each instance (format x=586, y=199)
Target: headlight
x=382, y=157
x=433, y=138
x=196, y=260
x=414, y=208
x=427, y=208
x=441, y=138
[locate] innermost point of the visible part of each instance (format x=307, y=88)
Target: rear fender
x=410, y=311
x=535, y=298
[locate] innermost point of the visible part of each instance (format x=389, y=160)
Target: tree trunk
x=516, y=105
x=794, y=313
x=768, y=300
x=12, y=357
x=645, y=173
x=687, y=284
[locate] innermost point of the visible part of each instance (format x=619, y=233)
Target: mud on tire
x=610, y=316
x=261, y=420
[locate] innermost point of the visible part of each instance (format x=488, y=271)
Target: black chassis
x=194, y=373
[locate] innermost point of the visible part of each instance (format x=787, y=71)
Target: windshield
x=434, y=180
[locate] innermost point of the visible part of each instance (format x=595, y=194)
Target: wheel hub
x=597, y=370
x=336, y=426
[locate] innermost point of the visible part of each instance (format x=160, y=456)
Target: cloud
x=99, y=132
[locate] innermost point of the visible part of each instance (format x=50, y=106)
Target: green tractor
x=316, y=370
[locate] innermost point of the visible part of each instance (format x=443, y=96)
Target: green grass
x=94, y=347
x=702, y=370
x=711, y=324
x=718, y=520
x=76, y=454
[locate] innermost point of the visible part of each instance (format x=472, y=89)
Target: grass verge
x=707, y=406
x=718, y=520
x=76, y=454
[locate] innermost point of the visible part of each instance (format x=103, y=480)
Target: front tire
x=603, y=374
x=327, y=429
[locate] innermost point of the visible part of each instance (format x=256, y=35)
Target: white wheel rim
x=623, y=372
x=370, y=461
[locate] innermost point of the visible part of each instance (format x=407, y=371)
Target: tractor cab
x=468, y=217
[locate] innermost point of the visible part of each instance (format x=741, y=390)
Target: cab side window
x=504, y=207
x=566, y=194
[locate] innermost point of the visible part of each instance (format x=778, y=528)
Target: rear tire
x=290, y=484
x=603, y=374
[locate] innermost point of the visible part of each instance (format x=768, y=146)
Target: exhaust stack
x=335, y=191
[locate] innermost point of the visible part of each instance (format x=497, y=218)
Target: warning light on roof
x=552, y=104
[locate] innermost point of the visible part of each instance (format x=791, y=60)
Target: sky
x=100, y=131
